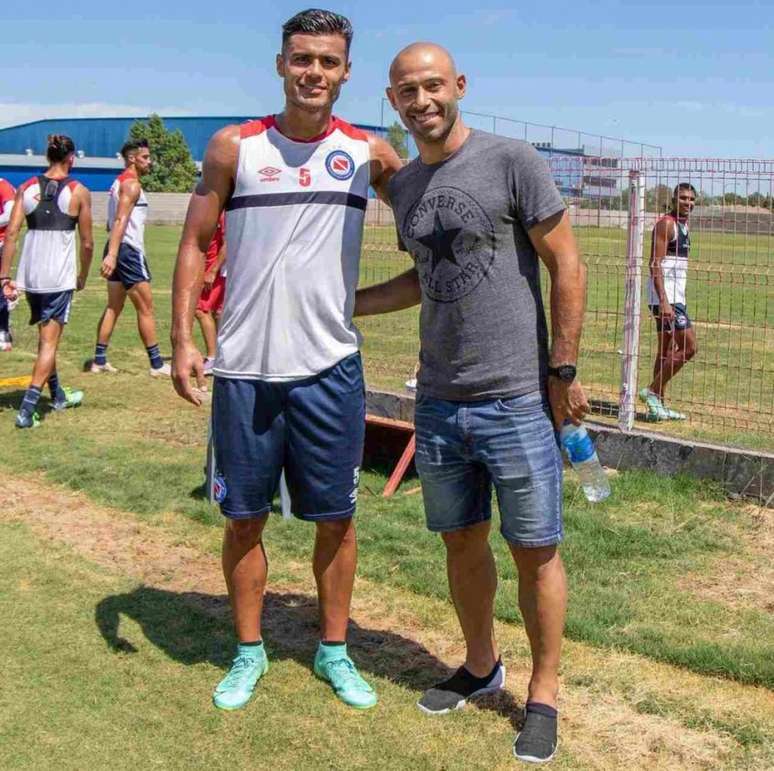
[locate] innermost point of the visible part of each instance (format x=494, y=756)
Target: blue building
x=98, y=140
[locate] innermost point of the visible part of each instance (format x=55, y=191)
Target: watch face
x=566, y=373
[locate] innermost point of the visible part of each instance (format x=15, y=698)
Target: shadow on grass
x=11, y=400
x=195, y=628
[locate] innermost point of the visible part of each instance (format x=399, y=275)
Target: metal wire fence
x=726, y=391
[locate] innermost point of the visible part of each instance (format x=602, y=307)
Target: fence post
x=633, y=289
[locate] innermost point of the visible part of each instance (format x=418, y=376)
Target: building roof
x=103, y=137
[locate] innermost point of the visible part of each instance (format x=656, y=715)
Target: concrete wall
x=742, y=473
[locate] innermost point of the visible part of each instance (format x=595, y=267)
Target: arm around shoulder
x=384, y=163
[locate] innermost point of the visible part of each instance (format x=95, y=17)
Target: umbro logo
x=269, y=174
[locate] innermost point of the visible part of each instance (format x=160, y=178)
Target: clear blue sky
x=694, y=77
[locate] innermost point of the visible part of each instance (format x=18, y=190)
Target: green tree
x=173, y=170
x=396, y=136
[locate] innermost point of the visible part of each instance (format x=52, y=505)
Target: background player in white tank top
x=7, y=196
x=667, y=301
x=124, y=265
x=53, y=205
x=294, y=187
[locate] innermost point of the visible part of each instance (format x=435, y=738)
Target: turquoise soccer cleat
x=334, y=666
x=72, y=398
x=656, y=410
x=236, y=688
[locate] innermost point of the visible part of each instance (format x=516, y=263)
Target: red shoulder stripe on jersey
x=6, y=190
x=28, y=183
x=72, y=184
x=349, y=130
x=328, y=131
x=124, y=175
x=254, y=127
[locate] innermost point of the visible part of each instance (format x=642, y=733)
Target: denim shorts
x=463, y=448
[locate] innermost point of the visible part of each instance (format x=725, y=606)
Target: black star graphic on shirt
x=439, y=241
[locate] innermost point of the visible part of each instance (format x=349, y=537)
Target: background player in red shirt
x=211, y=299
x=7, y=194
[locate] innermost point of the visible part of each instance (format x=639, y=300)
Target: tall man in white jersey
x=288, y=378
x=124, y=264
x=53, y=205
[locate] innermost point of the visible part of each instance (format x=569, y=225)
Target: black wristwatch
x=565, y=372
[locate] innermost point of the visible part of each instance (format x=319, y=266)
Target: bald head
x=425, y=88
x=422, y=56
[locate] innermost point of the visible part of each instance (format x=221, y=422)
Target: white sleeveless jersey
x=135, y=228
x=294, y=228
x=47, y=262
x=674, y=267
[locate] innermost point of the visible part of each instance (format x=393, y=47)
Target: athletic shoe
x=236, y=688
x=656, y=409
x=163, y=371
x=208, y=367
x=455, y=692
x=334, y=666
x=6, y=341
x=411, y=385
x=106, y=367
x=537, y=741
x=675, y=415
x=72, y=399
x=27, y=420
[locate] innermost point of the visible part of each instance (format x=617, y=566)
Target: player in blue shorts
x=7, y=196
x=667, y=300
x=288, y=387
x=124, y=264
x=53, y=205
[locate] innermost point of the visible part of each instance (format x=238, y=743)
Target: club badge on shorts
x=219, y=489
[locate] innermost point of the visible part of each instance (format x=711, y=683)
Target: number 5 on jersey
x=304, y=177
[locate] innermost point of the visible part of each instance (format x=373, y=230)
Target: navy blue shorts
x=465, y=448
x=682, y=319
x=50, y=306
x=313, y=428
x=131, y=266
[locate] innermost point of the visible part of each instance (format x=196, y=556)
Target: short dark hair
x=315, y=21
x=59, y=147
x=684, y=186
x=132, y=145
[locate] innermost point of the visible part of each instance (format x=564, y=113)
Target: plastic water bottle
x=580, y=450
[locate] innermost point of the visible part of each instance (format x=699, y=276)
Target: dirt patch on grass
x=744, y=579
x=604, y=724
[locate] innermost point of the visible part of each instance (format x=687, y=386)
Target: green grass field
x=727, y=391
x=116, y=629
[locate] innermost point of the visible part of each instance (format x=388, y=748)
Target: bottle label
x=580, y=448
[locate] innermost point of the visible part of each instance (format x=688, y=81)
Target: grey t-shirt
x=465, y=220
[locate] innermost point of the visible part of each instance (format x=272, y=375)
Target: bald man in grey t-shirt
x=476, y=211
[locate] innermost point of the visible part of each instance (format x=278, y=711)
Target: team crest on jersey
x=340, y=165
x=219, y=489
